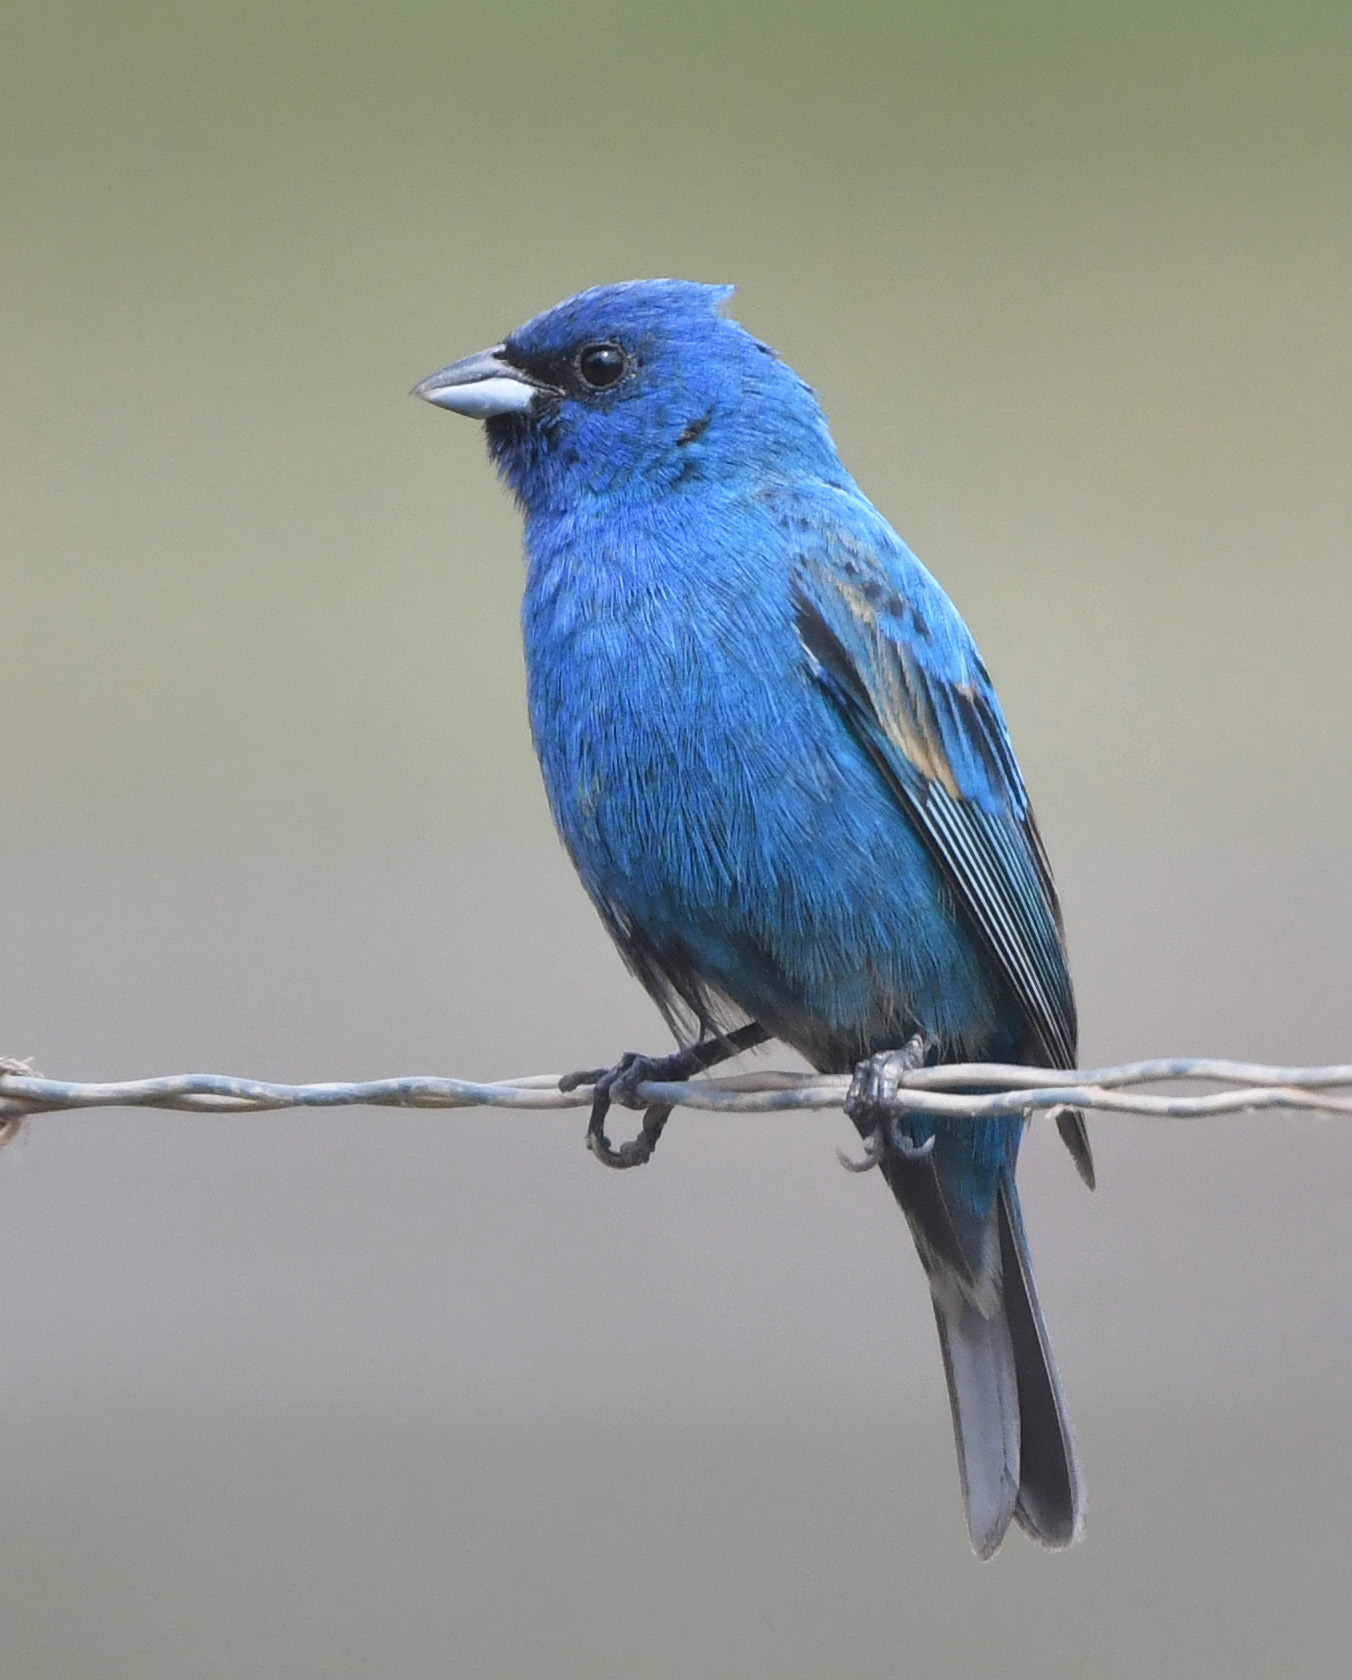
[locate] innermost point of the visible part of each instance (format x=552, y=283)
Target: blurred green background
x=376, y=1395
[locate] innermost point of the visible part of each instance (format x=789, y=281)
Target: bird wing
x=894, y=655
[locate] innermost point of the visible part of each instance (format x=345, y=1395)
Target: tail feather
x=1016, y=1453
x=1051, y=1489
x=983, y=1393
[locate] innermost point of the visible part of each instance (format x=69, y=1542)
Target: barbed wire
x=963, y=1090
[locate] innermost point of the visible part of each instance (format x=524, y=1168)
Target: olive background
x=376, y=1394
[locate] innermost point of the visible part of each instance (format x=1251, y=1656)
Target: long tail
x=1016, y=1453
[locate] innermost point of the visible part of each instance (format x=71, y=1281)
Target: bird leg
x=619, y=1084
x=872, y=1092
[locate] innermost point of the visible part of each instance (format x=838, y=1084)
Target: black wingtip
x=1075, y=1135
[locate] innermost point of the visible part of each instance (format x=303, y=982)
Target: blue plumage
x=777, y=761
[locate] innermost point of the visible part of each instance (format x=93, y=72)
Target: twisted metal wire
x=1000, y=1089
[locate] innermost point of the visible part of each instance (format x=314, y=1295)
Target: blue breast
x=717, y=806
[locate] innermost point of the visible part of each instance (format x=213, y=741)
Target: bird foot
x=872, y=1092
x=620, y=1084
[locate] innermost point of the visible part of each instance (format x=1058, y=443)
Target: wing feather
x=890, y=648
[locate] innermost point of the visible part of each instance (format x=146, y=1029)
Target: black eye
x=601, y=365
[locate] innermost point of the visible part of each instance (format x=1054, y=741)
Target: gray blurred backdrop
x=394, y=1396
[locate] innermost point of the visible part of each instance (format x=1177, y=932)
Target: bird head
x=631, y=392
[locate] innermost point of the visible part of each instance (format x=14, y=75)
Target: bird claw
x=877, y=1078
x=872, y=1092
x=875, y=1149
x=620, y=1084
x=637, y=1151
x=873, y=1154
x=584, y=1076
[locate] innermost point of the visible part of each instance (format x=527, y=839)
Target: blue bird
x=777, y=761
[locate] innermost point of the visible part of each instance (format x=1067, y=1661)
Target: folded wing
x=894, y=655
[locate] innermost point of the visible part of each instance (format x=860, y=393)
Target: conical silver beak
x=479, y=386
